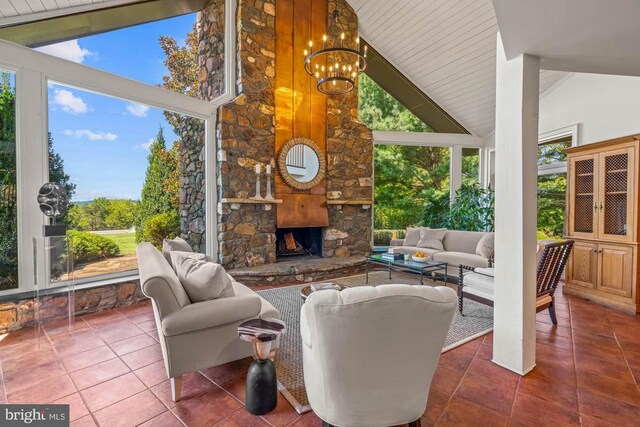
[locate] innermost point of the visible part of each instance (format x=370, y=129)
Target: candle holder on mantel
x=258, y=196
x=268, y=196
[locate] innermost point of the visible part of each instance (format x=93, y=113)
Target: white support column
x=455, y=170
x=517, y=98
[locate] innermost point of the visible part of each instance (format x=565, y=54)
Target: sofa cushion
x=432, y=238
x=176, y=244
x=462, y=241
x=486, y=246
x=413, y=237
x=202, y=279
x=455, y=259
x=478, y=282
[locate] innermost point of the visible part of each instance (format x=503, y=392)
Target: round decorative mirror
x=301, y=163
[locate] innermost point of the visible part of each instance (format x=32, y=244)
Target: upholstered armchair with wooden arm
x=477, y=283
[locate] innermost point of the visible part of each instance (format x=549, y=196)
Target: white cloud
x=93, y=136
x=145, y=146
x=137, y=110
x=69, y=102
x=69, y=50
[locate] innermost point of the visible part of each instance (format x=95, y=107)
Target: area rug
x=477, y=321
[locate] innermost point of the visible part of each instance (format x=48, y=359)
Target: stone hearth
x=246, y=136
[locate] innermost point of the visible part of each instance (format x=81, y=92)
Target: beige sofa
x=199, y=335
x=459, y=249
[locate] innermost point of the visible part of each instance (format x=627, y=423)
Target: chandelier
x=337, y=65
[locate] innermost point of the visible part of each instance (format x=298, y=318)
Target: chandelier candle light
x=335, y=68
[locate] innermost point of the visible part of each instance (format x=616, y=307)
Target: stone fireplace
x=251, y=129
x=299, y=242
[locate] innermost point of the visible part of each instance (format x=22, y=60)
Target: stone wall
x=211, y=50
x=246, y=232
x=20, y=314
x=349, y=157
x=192, y=183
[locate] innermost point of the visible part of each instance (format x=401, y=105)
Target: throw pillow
x=432, y=238
x=413, y=237
x=176, y=244
x=486, y=246
x=201, y=278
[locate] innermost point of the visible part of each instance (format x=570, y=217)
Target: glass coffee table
x=376, y=261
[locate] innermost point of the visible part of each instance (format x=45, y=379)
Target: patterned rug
x=477, y=321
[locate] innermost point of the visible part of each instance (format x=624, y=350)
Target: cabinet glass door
x=615, y=207
x=583, y=199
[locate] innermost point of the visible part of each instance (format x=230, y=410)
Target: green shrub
x=161, y=226
x=384, y=237
x=91, y=247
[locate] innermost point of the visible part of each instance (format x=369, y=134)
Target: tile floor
x=112, y=375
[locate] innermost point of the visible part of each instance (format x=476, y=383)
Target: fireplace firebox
x=292, y=242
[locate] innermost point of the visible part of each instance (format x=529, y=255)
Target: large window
x=121, y=164
x=552, y=187
x=8, y=183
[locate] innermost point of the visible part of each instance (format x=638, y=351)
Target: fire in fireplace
x=298, y=242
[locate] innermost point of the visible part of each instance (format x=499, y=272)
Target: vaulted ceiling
x=444, y=47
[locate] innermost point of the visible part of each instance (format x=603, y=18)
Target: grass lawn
x=126, y=242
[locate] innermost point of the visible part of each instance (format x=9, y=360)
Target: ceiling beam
x=408, y=94
x=70, y=23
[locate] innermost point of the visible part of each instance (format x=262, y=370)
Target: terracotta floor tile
x=28, y=343
x=610, y=387
x=610, y=410
x=86, y=421
x=460, y=412
x=166, y=419
x=559, y=392
x=242, y=418
x=546, y=413
x=120, y=332
x=446, y=379
x=103, y=371
x=588, y=421
x=132, y=344
x=29, y=360
x=102, y=318
x=69, y=344
x=555, y=340
x=59, y=327
x=194, y=384
x=131, y=411
x=88, y=358
x=308, y=419
x=222, y=373
x=497, y=394
x=615, y=369
x=40, y=374
x=112, y=391
x=459, y=358
x=206, y=409
x=436, y=403
x=152, y=374
x=564, y=331
x=147, y=326
x=77, y=408
x=45, y=392
x=143, y=357
x=283, y=414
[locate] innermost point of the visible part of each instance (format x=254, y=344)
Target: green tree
x=97, y=212
x=155, y=199
x=122, y=214
x=405, y=177
x=56, y=170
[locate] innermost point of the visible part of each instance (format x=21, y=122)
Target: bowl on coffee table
x=420, y=257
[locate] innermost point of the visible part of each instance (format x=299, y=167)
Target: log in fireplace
x=298, y=242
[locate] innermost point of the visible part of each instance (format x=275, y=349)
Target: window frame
x=33, y=72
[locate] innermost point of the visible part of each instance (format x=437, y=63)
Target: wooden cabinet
x=602, y=213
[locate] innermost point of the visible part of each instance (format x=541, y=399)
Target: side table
x=262, y=384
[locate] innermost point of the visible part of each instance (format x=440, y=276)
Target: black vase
x=262, y=389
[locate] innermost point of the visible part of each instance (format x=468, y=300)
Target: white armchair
x=369, y=354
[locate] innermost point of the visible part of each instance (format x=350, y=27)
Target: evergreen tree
x=56, y=170
x=155, y=198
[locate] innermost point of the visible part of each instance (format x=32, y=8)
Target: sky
x=104, y=141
